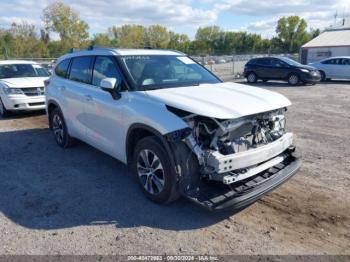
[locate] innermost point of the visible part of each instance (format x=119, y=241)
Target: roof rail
x=72, y=50
x=164, y=49
x=93, y=47
x=176, y=51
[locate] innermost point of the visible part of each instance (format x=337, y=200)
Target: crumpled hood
x=222, y=100
x=24, y=82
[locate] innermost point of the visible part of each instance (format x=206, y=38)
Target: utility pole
x=335, y=18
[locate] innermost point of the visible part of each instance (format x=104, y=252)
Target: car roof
x=337, y=57
x=263, y=57
x=11, y=62
x=120, y=52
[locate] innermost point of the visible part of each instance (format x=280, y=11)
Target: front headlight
x=13, y=91
x=304, y=70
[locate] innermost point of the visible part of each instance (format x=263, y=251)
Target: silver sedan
x=334, y=68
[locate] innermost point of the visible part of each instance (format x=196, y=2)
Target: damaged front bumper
x=226, y=163
x=217, y=196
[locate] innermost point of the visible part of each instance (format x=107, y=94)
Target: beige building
x=332, y=42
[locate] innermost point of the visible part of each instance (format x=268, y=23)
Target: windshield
x=22, y=70
x=163, y=71
x=290, y=61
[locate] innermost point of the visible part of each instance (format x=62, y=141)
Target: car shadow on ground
x=20, y=115
x=45, y=187
x=336, y=82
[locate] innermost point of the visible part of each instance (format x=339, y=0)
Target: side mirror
x=109, y=85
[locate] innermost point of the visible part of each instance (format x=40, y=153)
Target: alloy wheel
x=293, y=79
x=57, y=127
x=251, y=78
x=150, y=171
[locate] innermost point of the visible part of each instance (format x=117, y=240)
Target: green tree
x=292, y=32
x=314, y=33
x=157, y=36
x=21, y=40
x=64, y=20
x=128, y=36
x=277, y=45
x=101, y=39
x=209, y=38
x=5, y=47
x=179, y=42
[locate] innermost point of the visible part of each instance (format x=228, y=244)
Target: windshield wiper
x=145, y=88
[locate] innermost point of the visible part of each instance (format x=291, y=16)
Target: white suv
x=180, y=128
x=21, y=86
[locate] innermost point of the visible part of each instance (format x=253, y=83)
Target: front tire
x=59, y=128
x=252, y=78
x=293, y=79
x=323, y=76
x=3, y=110
x=151, y=165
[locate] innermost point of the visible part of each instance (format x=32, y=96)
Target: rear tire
x=293, y=79
x=3, y=110
x=151, y=165
x=59, y=128
x=252, y=78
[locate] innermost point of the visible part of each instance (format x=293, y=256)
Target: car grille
x=34, y=91
x=37, y=104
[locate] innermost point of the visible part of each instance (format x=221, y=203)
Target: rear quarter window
x=62, y=68
x=252, y=62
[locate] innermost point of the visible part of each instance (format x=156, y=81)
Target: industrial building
x=334, y=41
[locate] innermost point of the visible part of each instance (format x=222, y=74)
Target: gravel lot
x=81, y=201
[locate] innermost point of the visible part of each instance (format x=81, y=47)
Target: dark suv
x=280, y=68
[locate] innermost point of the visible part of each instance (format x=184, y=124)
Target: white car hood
x=222, y=101
x=24, y=82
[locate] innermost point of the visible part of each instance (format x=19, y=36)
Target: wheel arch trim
x=49, y=103
x=154, y=132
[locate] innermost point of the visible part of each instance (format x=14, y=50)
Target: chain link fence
x=227, y=67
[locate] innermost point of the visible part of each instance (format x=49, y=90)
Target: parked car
x=334, y=67
x=280, y=68
x=182, y=131
x=21, y=86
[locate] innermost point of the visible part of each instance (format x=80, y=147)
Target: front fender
x=149, y=112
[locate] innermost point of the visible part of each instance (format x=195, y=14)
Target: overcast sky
x=184, y=16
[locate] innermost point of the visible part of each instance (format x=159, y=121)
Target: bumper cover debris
x=238, y=195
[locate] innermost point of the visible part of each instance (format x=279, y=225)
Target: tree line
x=23, y=40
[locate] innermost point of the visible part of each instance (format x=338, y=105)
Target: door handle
x=88, y=98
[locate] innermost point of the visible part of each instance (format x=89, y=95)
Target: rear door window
x=344, y=61
x=332, y=62
x=264, y=62
x=81, y=69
